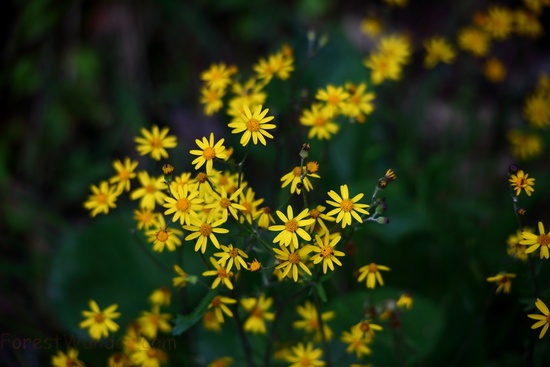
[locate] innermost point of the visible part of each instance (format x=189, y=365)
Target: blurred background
x=80, y=78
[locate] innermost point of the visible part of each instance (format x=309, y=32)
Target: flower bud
x=304, y=152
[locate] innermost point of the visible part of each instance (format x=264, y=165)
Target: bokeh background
x=80, y=78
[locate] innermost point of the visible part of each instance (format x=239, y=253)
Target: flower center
x=206, y=229
x=101, y=198
x=234, y=253
x=124, y=175
x=156, y=142
x=257, y=312
x=294, y=258
x=216, y=302
x=373, y=268
x=182, y=205
x=252, y=125
x=327, y=251
x=202, y=177
x=319, y=121
x=209, y=153
x=544, y=240
x=314, y=213
x=99, y=318
x=346, y=205
x=333, y=99
x=222, y=273
x=297, y=171
x=152, y=353
x=150, y=189
x=248, y=207
x=225, y=203
x=162, y=235
x=305, y=362
x=312, y=167
x=291, y=225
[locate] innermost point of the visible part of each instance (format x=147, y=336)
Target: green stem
x=242, y=335
x=321, y=324
x=241, y=163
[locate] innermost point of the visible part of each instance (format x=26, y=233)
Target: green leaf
x=184, y=322
x=321, y=292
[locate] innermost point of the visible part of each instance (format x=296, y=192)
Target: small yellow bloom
x=438, y=50
x=208, y=152
x=326, y=252
x=264, y=217
x=258, y=309
x=504, y=281
x=368, y=328
x=218, y=76
x=310, y=321
x=184, y=204
x=542, y=320
x=320, y=120
x=535, y=242
x=290, y=261
x=305, y=356
x=203, y=230
x=219, y=304
x=99, y=323
x=524, y=145
x=291, y=229
x=147, y=356
x=357, y=342
x=181, y=280
x=473, y=40
x=222, y=274
x=161, y=296
x=498, y=22
x=494, y=70
x=334, y=97
x=346, y=208
x=537, y=110
x=231, y=255
x=212, y=100
x=155, y=142
x=162, y=236
x=521, y=181
x=372, y=26
x=405, y=301
x=372, y=273
x=151, y=191
x=254, y=125
x=254, y=265
x=102, y=198
x=67, y=360
x=152, y=322
x=125, y=173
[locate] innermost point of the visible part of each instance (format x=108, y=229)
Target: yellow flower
x=162, y=236
x=357, y=342
x=317, y=213
x=326, y=252
x=221, y=362
x=151, y=191
x=145, y=218
x=230, y=256
x=526, y=24
x=310, y=321
x=396, y=48
x=534, y=242
x=118, y=360
x=147, y=356
x=438, y=50
x=494, y=70
x=368, y=327
x=102, y=198
x=524, y=145
x=218, y=76
x=291, y=229
x=371, y=26
x=296, y=176
x=372, y=273
x=537, y=110
x=181, y=280
x=522, y=181
x=473, y=40
x=210, y=321
x=382, y=67
x=498, y=22
x=161, y=296
x=504, y=281
x=305, y=356
x=247, y=94
x=279, y=64
x=320, y=119
x=204, y=230
x=99, y=323
x=219, y=304
x=405, y=301
x=208, y=152
x=290, y=261
x=254, y=124
x=254, y=265
x=399, y=3
x=212, y=100
x=222, y=274
x=67, y=360
x=152, y=322
x=224, y=204
x=334, y=97
x=359, y=102
x=249, y=201
x=155, y=142
x=346, y=207
x=184, y=204
x=125, y=172
x=257, y=307
x=515, y=249
x=543, y=320
x=264, y=217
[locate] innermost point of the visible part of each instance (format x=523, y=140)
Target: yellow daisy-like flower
x=254, y=124
x=534, y=242
x=280, y=64
x=372, y=273
x=258, y=309
x=208, y=152
x=498, y=22
x=67, y=360
x=334, y=97
x=405, y=301
x=521, y=181
x=357, y=342
x=210, y=321
x=368, y=328
x=162, y=236
x=524, y=145
x=231, y=255
x=249, y=201
x=317, y=213
x=359, y=102
x=290, y=261
x=326, y=252
x=473, y=40
x=515, y=249
x=102, y=198
x=218, y=76
x=147, y=356
x=399, y=3
x=382, y=67
x=181, y=280
x=145, y=218
x=219, y=304
x=99, y=323
x=296, y=176
x=372, y=26
x=543, y=320
x=151, y=191
x=152, y=322
x=438, y=50
x=221, y=362
x=247, y=94
x=494, y=70
x=118, y=360
x=155, y=142
x=291, y=228
x=161, y=296
x=320, y=121
x=305, y=356
x=125, y=172
x=396, y=48
x=526, y=23
x=226, y=205
x=203, y=231
x=184, y=204
x=310, y=321
x=504, y=281
x=212, y=100
x=221, y=273
x=346, y=207
x=537, y=110
x=264, y=217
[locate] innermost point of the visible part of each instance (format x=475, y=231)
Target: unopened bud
x=304, y=152
x=383, y=220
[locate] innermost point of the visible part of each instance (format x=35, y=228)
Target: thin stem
x=241, y=163
x=242, y=335
x=321, y=324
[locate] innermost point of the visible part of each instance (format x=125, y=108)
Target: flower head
x=320, y=120
x=438, y=50
x=473, y=40
x=125, y=172
x=534, y=242
x=155, y=142
x=542, y=320
x=291, y=229
x=305, y=356
x=184, y=204
x=254, y=125
x=208, y=152
x=152, y=322
x=99, y=323
x=182, y=278
x=290, y=261
x=504, y=281
x=310, y=320
x=537, y=110
x=524, y=145
x=357, y=342
x=258, y=313
x=346, y=207
x=326, y=252
x=162, y=236
x=372, y=273
x=151, y=191
x=203, y=230
x=515, y=249
x=219, y=304
x=218, y=76
x=67, y=360
x=231, y=256
x=102, y=198
x=222, y=274
x=521, y=181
